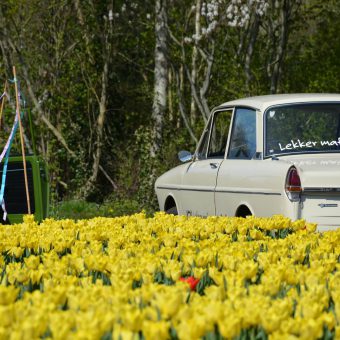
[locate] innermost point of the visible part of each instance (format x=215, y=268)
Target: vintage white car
x=276, y=154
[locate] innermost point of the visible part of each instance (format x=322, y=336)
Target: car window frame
x=256, y=156
x=265, y=156
x=209, y=126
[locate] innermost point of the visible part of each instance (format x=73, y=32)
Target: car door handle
x=213, y=165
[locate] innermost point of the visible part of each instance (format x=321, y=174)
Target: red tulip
x=191, y=281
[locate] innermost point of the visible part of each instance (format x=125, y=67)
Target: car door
x=199, y=181
x=235, y=184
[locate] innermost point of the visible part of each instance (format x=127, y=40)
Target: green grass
x=80, y=209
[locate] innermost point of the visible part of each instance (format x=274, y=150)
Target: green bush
x=80, y=209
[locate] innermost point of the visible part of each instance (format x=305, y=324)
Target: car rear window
x=302, y=128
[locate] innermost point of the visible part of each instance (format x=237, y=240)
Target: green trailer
x=37, y=178
x=19, y=178
x=15, y=192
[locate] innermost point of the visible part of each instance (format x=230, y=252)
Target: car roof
x=263, y=102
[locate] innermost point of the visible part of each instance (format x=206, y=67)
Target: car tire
x=172, y=211
x=243, y=211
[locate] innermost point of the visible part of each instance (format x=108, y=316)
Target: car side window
x=243, y=135
x=219, y=134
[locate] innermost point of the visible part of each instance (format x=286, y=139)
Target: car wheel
x=172, y=211
x=243, y=211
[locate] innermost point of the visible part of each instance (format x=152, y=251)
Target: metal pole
x=3, y=103
x=21, y=140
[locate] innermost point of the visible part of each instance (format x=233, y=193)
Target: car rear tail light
x=293, y=185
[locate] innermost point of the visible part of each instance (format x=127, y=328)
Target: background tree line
x=117, y=88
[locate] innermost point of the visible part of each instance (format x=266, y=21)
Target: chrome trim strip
x=311, y=189
x=222, y=191
x=331, y=205
x=250, y=192
x=186, y=189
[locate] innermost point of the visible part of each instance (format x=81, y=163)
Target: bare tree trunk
x=170, y=97
x=282, y=44
x=206, y=83
x=181, y=87
x=102, y=102
x=161, y=76
x=99, y=130
x=250, y=50
x=193, y=113
x=86, y=35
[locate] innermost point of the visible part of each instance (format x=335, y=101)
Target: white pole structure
x=21, y=140
x=3, y=102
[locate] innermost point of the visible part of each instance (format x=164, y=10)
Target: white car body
x=271, y=172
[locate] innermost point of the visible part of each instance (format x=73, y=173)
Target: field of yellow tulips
x=169, y=277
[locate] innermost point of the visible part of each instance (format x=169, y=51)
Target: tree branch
x=114, y=185
x=38, y=108
x=82, y=23
x=42, y=116
x=181, y=108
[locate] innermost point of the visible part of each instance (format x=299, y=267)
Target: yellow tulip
x=337, y=332
x=257, y=281
x=270, y=321
x=156, y=330
x=15, y=251
x=311, y=329
x=133, y=320
x=8, y=295
x=121, y=333
x=168, y=305
x=230, y=326
x=7, y=315
x=5, y=333
x=193, y=328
